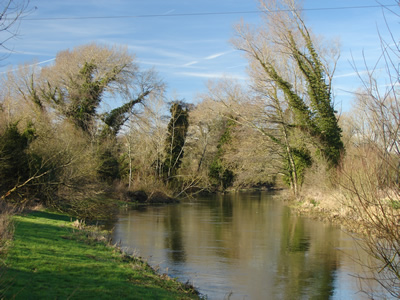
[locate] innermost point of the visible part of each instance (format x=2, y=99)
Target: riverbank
x=54, y=257
x=327, y=207
x=353, y=214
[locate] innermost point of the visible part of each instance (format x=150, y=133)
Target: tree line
x=94, y=117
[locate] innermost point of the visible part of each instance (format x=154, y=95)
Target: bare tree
x=371, y=171
x=250, y=149
x=10, y=15
x=11, y=12
x=291, y=75
x=73, y=144
x=82, y=78
x=146, y=135
x=204, y=131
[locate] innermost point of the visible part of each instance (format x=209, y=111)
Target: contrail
x=35, y=64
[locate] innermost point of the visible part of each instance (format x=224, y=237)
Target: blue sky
x=187, y=50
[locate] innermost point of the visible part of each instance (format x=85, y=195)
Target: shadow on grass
x=49, y=260
x=50, y=216
x=59, y=285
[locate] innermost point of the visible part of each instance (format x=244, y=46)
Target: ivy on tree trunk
x=177, y=130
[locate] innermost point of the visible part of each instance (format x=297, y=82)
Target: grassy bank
x=354, y=213
x=51, y=259
x=325, y=206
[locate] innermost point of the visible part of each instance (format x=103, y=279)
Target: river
x=244, y=246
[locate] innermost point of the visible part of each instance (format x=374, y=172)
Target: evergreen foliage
x=220, y=175
x=79, y=97
x=86, y=95
x=114, y=119
x=14, y=167
x=302, y=160
x=289, y=71
x=25, y=174
x=109, y=169
x=177, y=130
x=317, y=120
x=323, y=124
x=76, y=152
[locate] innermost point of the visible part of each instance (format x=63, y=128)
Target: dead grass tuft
x=6, y=233
x=6, y=228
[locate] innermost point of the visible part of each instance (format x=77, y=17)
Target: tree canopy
x=290, y=75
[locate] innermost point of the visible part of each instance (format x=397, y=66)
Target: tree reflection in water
x=173, y=234
x=305, y=269
x=247, y=245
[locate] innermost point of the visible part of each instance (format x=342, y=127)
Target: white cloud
x=34, y=64
x=158, y=51
x=169, y=12
x=155, y=63
x=346, y=75
x=30, y=53
x=213, y=56
x=214, y=75
x=358, y=73
x=191, y=63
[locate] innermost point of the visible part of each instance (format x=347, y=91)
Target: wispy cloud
x=191, y=63
x=28, y=53
x=155, y=63
x=45, y=61
x=216, y=55
x=238, y=66
x=211, y=75
x=31, y=65
x=351, y=74
x=358, y=73
x=169, y=12
x=159, y=51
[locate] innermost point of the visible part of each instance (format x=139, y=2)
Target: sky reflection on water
x=246, y=245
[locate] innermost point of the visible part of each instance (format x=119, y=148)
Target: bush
x=13, y=158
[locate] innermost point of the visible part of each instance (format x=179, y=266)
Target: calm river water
x=244, y=246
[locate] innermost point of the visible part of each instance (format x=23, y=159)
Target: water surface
x=244, y=246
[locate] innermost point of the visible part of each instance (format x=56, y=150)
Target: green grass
x=49, y=259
